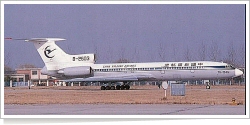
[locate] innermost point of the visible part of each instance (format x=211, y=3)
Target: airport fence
x=16, y=84
x=138, y=83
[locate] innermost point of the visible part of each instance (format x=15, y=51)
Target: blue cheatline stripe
x=215, y=67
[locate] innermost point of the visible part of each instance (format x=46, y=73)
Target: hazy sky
x=136, y=32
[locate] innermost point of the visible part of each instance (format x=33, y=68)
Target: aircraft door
x=192, y=73
x=162, y=73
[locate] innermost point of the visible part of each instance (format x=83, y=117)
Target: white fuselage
x=168, y=70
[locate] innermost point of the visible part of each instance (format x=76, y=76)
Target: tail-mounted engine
x=79, y=71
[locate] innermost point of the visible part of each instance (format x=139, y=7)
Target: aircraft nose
x=238, y=72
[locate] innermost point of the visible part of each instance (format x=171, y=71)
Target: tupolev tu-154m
x=82, y=67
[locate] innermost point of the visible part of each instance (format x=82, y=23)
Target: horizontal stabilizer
x=44, y=39
x=37, y=39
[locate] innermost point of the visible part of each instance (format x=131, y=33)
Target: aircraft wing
x=117, y=78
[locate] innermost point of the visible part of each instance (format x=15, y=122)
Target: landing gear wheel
x=118, y=87
x=127, y=87
x=103, y=87
x=108, y=87
x=122, y=87
x=112, y=87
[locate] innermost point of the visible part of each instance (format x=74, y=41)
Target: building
x=30, y=74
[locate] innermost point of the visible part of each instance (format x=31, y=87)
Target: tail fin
x=54, y=57
x=51, y=54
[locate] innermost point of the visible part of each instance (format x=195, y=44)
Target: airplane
x=82, y=67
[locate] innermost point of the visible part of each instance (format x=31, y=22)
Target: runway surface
x=123, y=109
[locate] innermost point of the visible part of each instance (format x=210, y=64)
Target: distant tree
x=150, y=55
x=175, y=52
x=161, y=52
x=7, y=70
x=122, y=52
x=242, y=57
x=231, y=57
x=26, y=66
x=109, y=55
x=135, y=56
x=214, y=52
x=7, y=58
x=187, y=54
x=202, y=52
x=7, y=78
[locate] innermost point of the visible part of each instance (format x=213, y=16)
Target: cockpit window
x=230, y=67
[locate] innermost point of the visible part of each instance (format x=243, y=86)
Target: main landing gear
x=112, y=86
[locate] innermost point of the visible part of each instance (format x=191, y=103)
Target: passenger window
x=173, y=64
x=200, y=64
x=193, y=64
